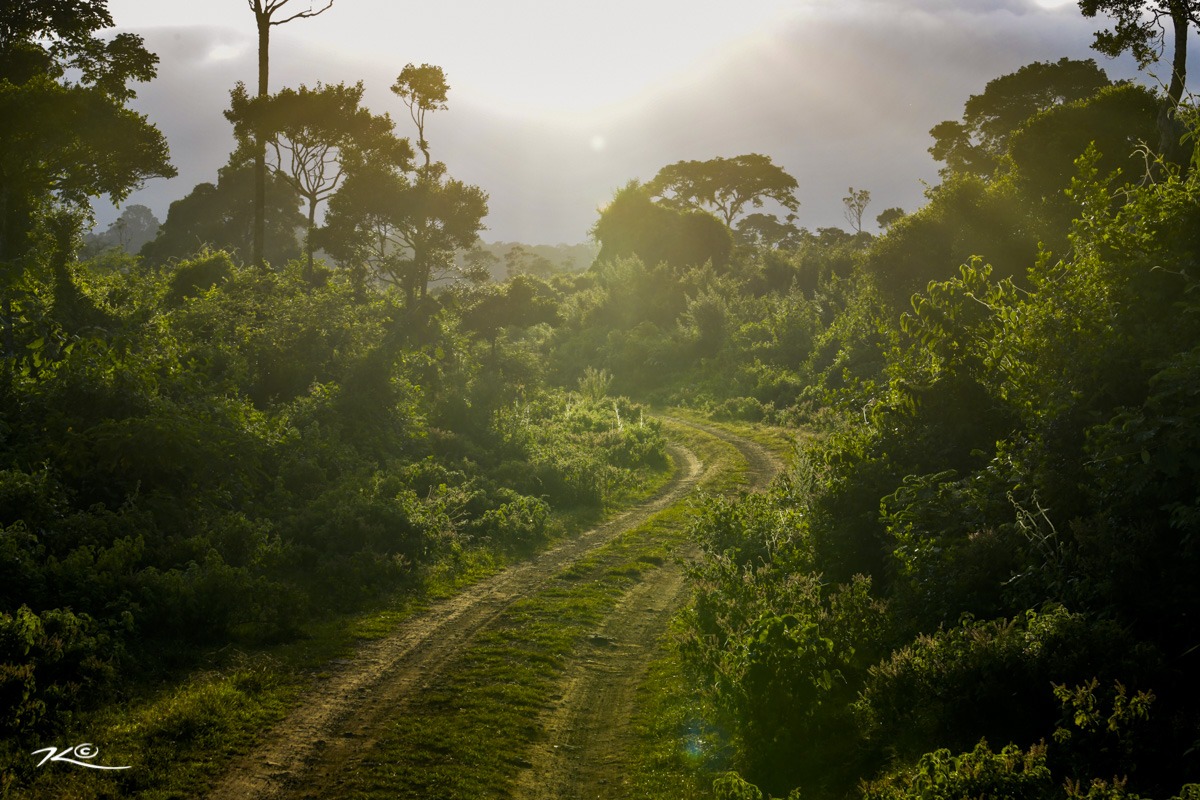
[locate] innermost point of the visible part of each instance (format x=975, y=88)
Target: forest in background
x=978, y=580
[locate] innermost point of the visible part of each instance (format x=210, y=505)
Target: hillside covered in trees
x=978, y=579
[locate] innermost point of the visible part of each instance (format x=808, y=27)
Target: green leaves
x=727, y=185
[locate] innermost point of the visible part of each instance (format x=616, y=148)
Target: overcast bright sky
x=555, y=104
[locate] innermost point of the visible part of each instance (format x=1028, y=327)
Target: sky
x=555, y=104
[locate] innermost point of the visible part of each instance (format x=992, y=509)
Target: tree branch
x=309, y=14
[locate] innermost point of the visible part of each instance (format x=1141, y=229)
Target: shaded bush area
x=239, y=451
x=979, y=580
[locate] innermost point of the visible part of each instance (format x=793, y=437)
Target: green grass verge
x=469, y=736
x=178, y=735
x=680, y=754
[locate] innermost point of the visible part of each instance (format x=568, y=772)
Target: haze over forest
x=854, y=457
x=553, y=107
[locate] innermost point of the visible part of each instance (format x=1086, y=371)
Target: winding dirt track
x=342, y=715
x=589, y=736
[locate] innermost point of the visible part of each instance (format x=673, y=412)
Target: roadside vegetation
x=222, y=465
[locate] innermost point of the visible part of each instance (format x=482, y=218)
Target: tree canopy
x=632, y=224
x=314, y=136
x=1141, y=28
x=423, y=89
x=405, y=230
x=976, y=144
x=724, y=185
x=269, y=14
x=221, y=216
x=67, y=134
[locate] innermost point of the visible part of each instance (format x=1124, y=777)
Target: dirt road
x=345, y=712
x=589, y=734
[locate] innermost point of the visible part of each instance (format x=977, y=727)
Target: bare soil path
x=586, y=732
x=589, y=738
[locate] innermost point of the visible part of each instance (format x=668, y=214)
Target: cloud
x=838, y=93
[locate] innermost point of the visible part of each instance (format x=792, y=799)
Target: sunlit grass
x=179, y=736
x=446, y=746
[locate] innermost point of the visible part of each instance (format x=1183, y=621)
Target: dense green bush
x=1021, y=441
x=242, y=451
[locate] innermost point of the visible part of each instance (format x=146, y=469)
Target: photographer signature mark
x=68, y=755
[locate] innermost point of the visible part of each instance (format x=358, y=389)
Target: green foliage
x=242, y=451
x=68, y=136
x=965, y=216
x=221, y=216
x=594, y=384
x=732, y=786
x=632, y=224
x=313, y=137
x=1011, y=773
x=1017, y=444
x=977, y=145
x=726, y=185
x=49, y=662
x=987, y=679
x=781, y=653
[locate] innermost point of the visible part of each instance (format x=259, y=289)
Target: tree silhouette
x=265, y=19
x=889, y=217
x=129, y=232
x=1141, y=28
x=725, y=185
x=423, y=89
x=66, y=135
x=313, y=137
x=856, y=205
x=221, y=216
x=976, y=144
x=404, y=231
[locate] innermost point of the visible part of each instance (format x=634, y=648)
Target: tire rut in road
x=341, y=717
x=589, y=737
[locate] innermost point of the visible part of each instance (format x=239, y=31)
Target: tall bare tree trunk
x=260, y=147
x=264, y=12
x=309, y=272
x=1170, y=128
x=7, y=277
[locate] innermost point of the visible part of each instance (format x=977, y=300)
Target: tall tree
x=136, y=226
x=976, y=144
x=313, y=137
x=856, y=205
x=1141, y=28
x=423, y=89
x=724, y=185
x=66, y=135
x=404, y=231
x=265, y=18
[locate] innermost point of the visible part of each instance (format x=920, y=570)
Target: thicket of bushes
x=981, y=580
x=209, y=453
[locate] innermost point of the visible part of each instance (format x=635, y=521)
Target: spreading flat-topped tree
x=725, y=186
